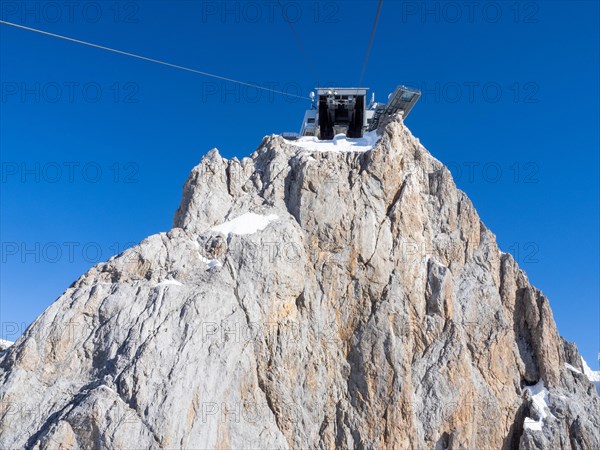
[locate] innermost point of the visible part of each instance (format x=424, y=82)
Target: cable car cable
x=364, y=67
x=157, y=61
x=308, y=61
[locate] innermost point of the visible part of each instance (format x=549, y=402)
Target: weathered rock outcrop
x=376, y=311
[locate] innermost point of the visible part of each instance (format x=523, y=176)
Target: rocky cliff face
x=304, y=300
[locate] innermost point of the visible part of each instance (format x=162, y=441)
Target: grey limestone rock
x=368, y=307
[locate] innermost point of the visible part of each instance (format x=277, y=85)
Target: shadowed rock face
x=375, y=312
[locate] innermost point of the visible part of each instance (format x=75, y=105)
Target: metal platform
x=402, y=99
x=345, y=111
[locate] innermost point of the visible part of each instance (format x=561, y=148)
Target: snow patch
x=170, y=283
x=539, y=395
x=210, y=263
x=593, y=375
x=4, y=344
x=213, y=263
x=247, y=223
x=340, y=143
x=103, y=386
x=572, y=368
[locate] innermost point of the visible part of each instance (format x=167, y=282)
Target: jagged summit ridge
x=373, y=309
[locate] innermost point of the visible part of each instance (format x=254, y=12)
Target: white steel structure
x=345, y=111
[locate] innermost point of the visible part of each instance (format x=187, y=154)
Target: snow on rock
x=539, y=394
x=571, y=368
x=4, y=344
x=170, y=283
x=340, y=143
x=213, y=263
x=247, y=223
x=210, y=263
x=593, y=375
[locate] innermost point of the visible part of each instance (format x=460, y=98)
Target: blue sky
x=95, y=146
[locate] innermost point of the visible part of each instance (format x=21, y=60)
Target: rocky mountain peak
x=312, y=295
